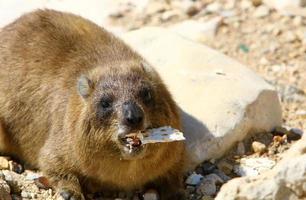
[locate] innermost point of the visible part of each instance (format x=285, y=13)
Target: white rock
x=150, y=195
x=253, y=166
x=285, y=181
x=194, y=179
x=197, y=31
x=221, y=100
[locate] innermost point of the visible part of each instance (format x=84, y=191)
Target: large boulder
x=287, y=180
x=222, y=101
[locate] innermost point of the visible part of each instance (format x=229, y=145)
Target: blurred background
x=269, y=36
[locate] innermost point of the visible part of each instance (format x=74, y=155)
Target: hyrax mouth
x=132, y=140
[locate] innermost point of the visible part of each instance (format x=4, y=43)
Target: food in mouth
x=155, y=135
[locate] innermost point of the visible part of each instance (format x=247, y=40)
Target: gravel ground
x=271, y=44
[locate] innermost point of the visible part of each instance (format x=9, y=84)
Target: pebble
x=259, y=147
x=245, y=4
x=13, y=166
x=256, y=2
x=263, y=61
x=4, y=163
x=240, y=148
x=208, y=167
x=294, y=134
x=214, y=7
x=194, y=179
x=208, y=186
x=280, y=131
x=298, y=21
x=289, y=37
x=155, y=7
x=222, y=175
x=261, y=11
x=224, y=166
x=150, y=195
x=24, y=194
x=192, y=10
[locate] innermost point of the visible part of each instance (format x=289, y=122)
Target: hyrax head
x=122, y=100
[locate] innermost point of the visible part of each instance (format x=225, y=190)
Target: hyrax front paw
x=70, y=195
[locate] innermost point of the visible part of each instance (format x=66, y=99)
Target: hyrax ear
x=146, y=67
x=85, y=86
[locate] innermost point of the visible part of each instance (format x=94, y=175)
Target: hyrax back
x=70, y=92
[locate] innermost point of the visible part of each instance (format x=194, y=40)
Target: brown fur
x=48, y=124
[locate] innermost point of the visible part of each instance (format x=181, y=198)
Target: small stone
x=298, y=21
x=226, y=167
x=256, y=2
x=245, y=4
x=169, y=14
x=222, y=175
x=290, y=37
x=244, y=48
x=280, y=131
x=194, y=179
x=215, y=178
x=294, y=134
x=208, y=186
x=13, y=166
x=240, y=148
x=24, y=194
x=199, y=170
x=208, y=167
x=155, y=7
x=258, y=147
x=151, y=195
x=261, y=11
x=214, y=7
x=192, y=10
x=4, y=163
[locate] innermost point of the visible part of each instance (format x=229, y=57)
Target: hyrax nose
x=132, y=114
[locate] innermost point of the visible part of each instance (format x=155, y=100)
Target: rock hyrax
x=69, y=93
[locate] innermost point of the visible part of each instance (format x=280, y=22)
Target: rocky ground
x=272, y=44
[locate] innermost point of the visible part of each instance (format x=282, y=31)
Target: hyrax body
x=69, y=93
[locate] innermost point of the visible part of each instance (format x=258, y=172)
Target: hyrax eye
x=106, y=103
